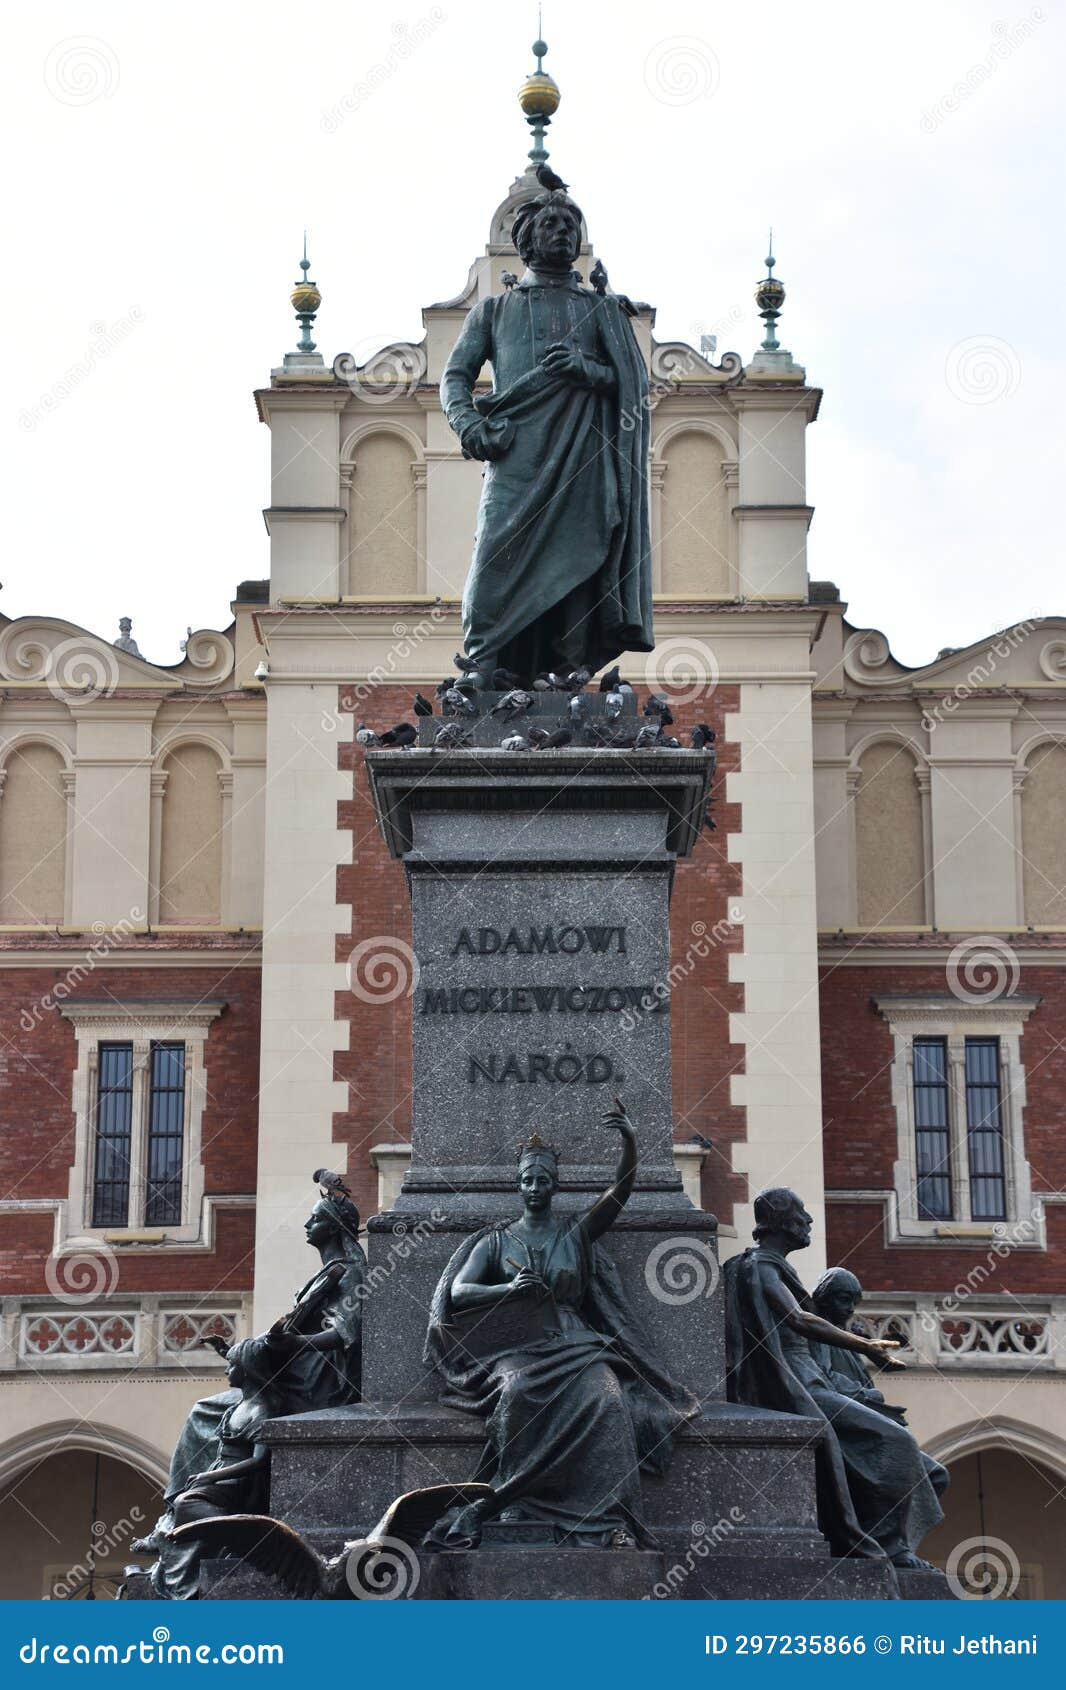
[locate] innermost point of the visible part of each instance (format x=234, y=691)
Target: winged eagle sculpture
x=382, y=1565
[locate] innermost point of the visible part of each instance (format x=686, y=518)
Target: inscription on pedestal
x=527, y=1015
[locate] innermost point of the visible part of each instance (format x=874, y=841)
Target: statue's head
x=547, y=232
x=538, y=1173
x=124, y=624
x=780, y=1213
x=334, y=1219
x=251, y=1365
x=836, y=1296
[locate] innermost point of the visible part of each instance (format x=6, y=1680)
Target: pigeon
x=333, y=1185
x=513, y=704
x=422, y=705
x=647, y=737
x=366, y=736
x=671, y=744
x=547, y=178
x=709, y=821
x=703, y=737
x=466, y=664
x=578, y=678
x=613, y=706
x=543, y=682
x=459, y=703
x=704, y=1143
x=559, y=683
x=403, y=734
x=657, y=705
x=515, y=742
x=508, y=278
x=598, y=278
x=542, y=740
x=450, y=735
x=504, y=680
x=609, y=679
x=577, y=707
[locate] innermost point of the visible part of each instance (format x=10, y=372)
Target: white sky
x=161, y=174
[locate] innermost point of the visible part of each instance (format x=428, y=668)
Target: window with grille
x=139, y=1148
x=958, y=1129
x=984, y=1131
x=932, y=1126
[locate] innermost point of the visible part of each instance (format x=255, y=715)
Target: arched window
x=190, y=856
x=1043, y=836
x=383, y=521
x=33, y=837
x=889, y=848
x=695, y=516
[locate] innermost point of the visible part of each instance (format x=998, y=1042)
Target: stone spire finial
x=770, y=297
x=306, y=300
x=539, y=98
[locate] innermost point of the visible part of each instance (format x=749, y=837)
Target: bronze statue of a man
x=877, y=1493
x=561, y=574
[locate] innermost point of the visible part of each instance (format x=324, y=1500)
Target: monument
x=538, y=1415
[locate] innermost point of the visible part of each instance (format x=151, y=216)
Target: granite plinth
x=743, y=1474
x=662, y=1245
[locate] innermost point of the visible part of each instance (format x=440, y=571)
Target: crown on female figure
x=536, y=1146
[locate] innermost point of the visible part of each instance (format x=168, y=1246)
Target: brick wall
x=377, y=1064
x=861, y=1133
x=37, y=1120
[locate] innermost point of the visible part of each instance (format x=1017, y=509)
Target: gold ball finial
x=305, y=298
x=539, y=95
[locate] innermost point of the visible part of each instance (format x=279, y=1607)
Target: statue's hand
x=487, y=439
x=617, y=1119
x=562, y=360
x=880, y=1350
x=526, y=1280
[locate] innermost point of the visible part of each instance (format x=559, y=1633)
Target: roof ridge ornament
x=306, y=300
x=539, y=98
x=770, y=297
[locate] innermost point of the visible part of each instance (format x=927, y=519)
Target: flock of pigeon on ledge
x=462, y=699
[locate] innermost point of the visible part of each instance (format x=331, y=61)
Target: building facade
x=206, y=968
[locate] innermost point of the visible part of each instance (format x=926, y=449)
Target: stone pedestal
x=540, y=889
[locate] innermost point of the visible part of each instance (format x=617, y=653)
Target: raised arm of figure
x=607, y=1208
x=784, y=1305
